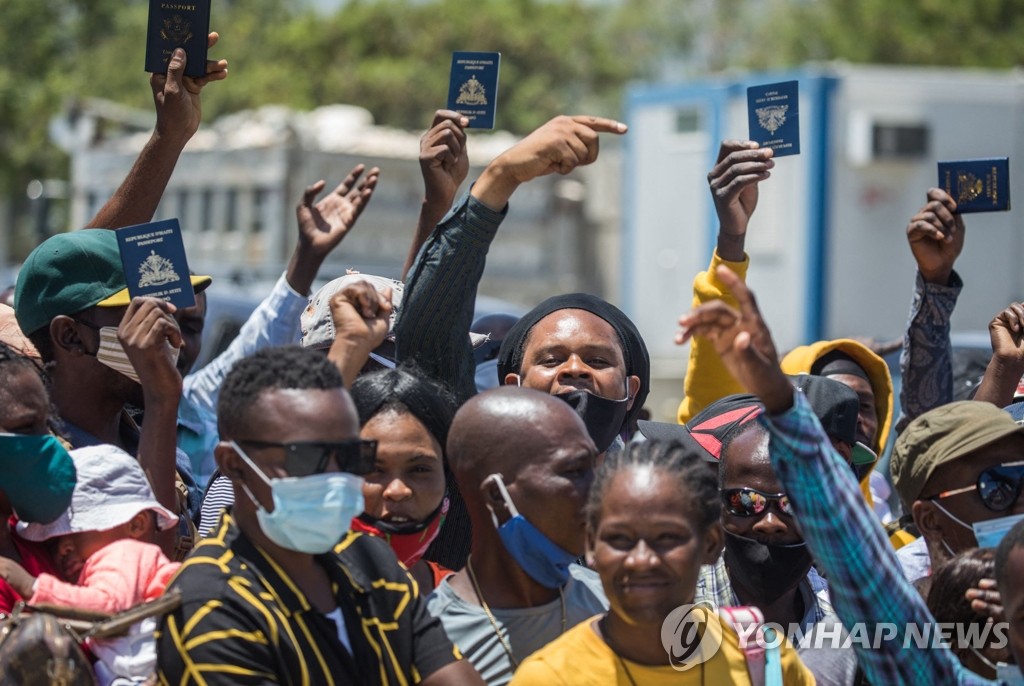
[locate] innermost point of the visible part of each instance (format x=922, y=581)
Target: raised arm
x=148, y=332
x=178, y=113
x=733, y=181
x=361, y=317
x=867, y=587
x=936, y=238
x=444, y=164
x=440, y=294
x=1007, y=364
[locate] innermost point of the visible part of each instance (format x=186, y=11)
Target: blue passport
x=153, y=257
x=774, y=114
x=178, y=24
x=981, y=185
x=473, y=88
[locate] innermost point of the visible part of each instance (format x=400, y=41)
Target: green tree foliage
x=969, y=33
x=390, y=56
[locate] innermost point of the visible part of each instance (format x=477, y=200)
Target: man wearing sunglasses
x=765, y=562
x=282, y=591
x=954, y=467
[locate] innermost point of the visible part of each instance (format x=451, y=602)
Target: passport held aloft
x=981, y=185
x=773, y=111
x=473, y=87
x=178, y=24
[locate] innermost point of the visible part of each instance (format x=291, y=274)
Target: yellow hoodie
x=800, y=360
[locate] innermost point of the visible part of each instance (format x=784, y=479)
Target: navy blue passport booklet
x=981, y=185
x=473, y=88
x=153, y=257
x=178, y=24
x=774, y=114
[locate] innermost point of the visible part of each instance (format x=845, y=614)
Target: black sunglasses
x=304, y=459
x=998, y=487
x=750, y=502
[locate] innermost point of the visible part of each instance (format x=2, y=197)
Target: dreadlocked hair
x=676, y=461
x=285, y=368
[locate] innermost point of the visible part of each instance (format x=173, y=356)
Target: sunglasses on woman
x=305, y=459
x=998, y=487
x=750, y=502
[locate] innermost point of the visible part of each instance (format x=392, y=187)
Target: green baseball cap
x=71, y=272
x=941, y=436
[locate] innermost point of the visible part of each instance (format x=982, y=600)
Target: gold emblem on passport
x=472, y=93
x=968, y=187
x=176, y=30
x=771, y=118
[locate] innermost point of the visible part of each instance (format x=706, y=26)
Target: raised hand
x=743, y=342
x=733, y=181
x=1007, y=334
x=1005, y=369
x=177, y=97
x=558, y=146
x=444, y=160
x=362, y=317
x=323, y=225
x=147, y=333
x=936, y=237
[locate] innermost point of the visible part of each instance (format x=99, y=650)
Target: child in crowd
x=102, y=547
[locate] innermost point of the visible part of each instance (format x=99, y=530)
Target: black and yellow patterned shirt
x=243, y=621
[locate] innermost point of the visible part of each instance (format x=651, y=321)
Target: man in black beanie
x=578, y=347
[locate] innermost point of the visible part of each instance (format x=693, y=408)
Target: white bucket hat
x=110, y=489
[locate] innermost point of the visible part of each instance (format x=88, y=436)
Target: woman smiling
x=653, y=520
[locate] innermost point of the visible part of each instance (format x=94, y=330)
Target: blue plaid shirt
x=853, y=552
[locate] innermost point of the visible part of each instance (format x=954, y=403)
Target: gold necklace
x=494, y=622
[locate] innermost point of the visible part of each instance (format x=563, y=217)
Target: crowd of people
x=369, y=487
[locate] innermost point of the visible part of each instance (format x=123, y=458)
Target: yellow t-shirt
x=581, y=658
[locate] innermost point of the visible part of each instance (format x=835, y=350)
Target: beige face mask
x=111, y=353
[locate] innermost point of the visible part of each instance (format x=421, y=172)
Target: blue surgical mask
x=1006, y=674
x=987, y=533
x=543, y=560
x=37, y=474
x=991, y=531
x=311, y=513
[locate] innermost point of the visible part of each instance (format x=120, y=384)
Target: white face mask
x=110, y=353
x=311, y=513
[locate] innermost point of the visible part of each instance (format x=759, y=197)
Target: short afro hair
x=285, y=368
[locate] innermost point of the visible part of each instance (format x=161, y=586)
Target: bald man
x=524, y=463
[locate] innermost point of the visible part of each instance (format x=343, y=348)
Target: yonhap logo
x=688, y=637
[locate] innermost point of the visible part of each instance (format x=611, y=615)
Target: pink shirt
x=117, y=577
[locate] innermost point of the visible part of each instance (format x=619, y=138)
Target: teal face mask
x=37, y=474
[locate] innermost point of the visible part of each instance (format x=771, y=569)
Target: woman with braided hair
x=653, y=520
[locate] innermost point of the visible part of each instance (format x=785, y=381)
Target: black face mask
x=602, y=416
x=767, y=570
